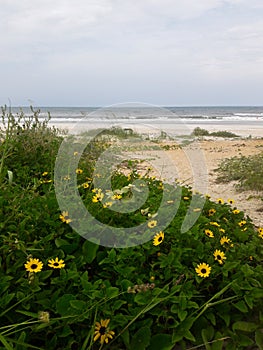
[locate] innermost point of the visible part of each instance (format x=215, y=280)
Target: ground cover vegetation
x=247, y=172
x=201, y=289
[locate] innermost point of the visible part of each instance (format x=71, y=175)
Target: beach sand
x=194, y=165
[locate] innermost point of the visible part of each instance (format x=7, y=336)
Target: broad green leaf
x=161, y=342
x=78, y=304
x=63, y=304
x=241, y=306
x=244, y=326
x=141, y=339
x=259, y=339
x=89, y=250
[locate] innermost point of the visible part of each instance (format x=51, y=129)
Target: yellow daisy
x=242, y=223
x=231, y=201
x=203, y=270
x=64, y=217
x=102, y=331
x=236, y=211
x=209, y=233
x=219, y=256
x=56, y=264
x=158, y=238
x=33, y=265
x=79, y=171
x=152, y=223
x=220, y=201
x=211, y=212
x=224, y=240
x=260, y=232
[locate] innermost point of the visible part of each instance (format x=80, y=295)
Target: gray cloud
x=90, y=52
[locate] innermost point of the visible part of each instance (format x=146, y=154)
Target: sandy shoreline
x=243, y=130
x=194, y=165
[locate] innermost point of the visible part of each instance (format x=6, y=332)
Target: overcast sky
x=101, y=52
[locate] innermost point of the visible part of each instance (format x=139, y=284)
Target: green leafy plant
x=197, y=289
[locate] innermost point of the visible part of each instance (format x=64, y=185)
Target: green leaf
x=126, y=338
x=60, y=242
x=182, y=314
x=161, y=342
x=78, y=304
x=141, y=339
x=63, y=304
x=217, y=343
x=112, y=292
x=5, y=300
x=5, y=343
x=244, y=326
x=241, y=306
x=188, y=335
x=65, y=332
x=89, y=250
x=259, y=339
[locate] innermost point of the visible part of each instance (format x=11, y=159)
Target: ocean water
x=76, y=114
x=140, y=115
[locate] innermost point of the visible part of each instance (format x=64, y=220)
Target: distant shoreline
x=172, y=129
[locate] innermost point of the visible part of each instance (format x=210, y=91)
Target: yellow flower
x=33, y=265
x=107, y=205
x=222, y=230
x=76, y=153
x=260, y=232
x=209, y=233
x=236, y=211
x=211, y=212
x=85, y=185
x=158, y=238
x=203, y=270
x=213, y=223
x=56, y=264
x=67, y=177
x=64, y=217
x=79, y=171
x=242, y=223
x=152, y=223
x=186, y=198
x=44, y=173
x=116, y=196
x=224, y=240
x=102, y=331
x=219, y=256
x=231, y=201
x=97, y=198
x=220, y=201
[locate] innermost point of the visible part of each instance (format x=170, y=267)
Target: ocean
x=142, y=116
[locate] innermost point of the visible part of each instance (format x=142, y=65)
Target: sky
x=103, y=52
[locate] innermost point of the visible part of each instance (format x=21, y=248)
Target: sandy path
x=194, y=165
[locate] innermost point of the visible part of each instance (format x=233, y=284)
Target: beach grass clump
x=246, y=171
x=199, y=287
x=203, y=132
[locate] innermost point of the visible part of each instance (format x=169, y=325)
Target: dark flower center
x=160, y=239
x=218, y=257
x=203, y=270
x=33, y=266
x=56, y=264
x=102, y=330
